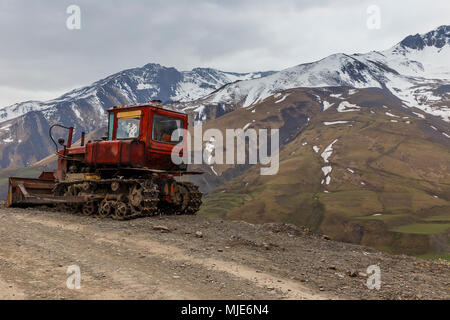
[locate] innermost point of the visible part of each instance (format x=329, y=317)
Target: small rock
x=176, y=277
x=161, y=228
x=331, y=268
x=198, y=234
x=362, y=274
x=352, y=273
x=325, y=237
x=220, y=250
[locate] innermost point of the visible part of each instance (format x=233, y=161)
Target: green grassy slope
x=397, y=198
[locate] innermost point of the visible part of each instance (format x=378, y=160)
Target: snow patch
x=326, y=170
x=6, y=127
x=282, y=99
x=328, y=151
x=143, y=86
x=209, y=148
x=326, y=105
x=334, y=122
x=419, y=115
x=77, y=112
x=391, y=115
x=346, y=106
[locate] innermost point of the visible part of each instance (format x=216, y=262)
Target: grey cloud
x=39, y=54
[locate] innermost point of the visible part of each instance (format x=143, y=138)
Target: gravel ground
x=191, y=257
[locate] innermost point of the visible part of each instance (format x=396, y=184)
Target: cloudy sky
x=41, y=58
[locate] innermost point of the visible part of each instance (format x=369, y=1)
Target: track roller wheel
x=136, y=197
x=192, y=198
x=90, y=208
x=106, y=208
x=69, y=207
x=122, y=211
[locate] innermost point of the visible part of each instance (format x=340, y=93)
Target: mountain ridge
x=419, y=77
x=413, y=75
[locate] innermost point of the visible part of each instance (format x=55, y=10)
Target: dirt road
x=230, y=260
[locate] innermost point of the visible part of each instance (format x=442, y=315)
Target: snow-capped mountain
x=137, y=85
x=417, y=70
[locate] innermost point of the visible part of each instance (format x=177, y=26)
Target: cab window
x=164, y=126
x=128, y=124
x=111, y=126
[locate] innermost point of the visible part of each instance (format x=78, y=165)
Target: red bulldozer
x=127, y=174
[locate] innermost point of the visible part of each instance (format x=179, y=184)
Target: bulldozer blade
x=23, y=190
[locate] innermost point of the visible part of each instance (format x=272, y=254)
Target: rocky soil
x=190, y=257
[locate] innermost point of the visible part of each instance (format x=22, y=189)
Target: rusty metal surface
x=24, y=188
x=129, y=153
x=53, y=199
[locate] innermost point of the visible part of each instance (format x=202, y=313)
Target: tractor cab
x=139, y=136
x=148, y=123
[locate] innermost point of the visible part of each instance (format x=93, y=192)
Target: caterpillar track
x=125, y=199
